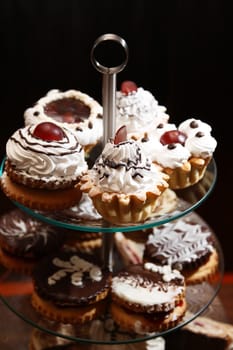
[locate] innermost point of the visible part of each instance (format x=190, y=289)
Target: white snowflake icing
x=180, y=241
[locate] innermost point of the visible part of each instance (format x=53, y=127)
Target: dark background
x=179, y=50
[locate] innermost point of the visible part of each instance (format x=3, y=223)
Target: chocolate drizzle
x=46, y=145
x=134, y=163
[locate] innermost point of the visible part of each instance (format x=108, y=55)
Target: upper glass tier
x=173, y=205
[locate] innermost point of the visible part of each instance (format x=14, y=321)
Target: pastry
x=71, y=109
x=25, y=240
x=138, y=110
x=43, y=164
x=147, y=298
x=183, y=153
x=123, y=184
x=185, y=245
x=83, y=241
x=70, y=287
x=202, y=333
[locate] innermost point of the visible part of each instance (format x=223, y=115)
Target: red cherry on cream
x=173, y=136
x=121, y=135
x=128, y=86
x=48, y=131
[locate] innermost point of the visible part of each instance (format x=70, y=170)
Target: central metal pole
x=109, y=117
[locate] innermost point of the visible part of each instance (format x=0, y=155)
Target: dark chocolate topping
x=146, y=277
x=68, y=109
x=194, y=124
x=26, y=236
x=70, y=279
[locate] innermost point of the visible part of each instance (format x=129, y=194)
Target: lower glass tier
x=16, y=289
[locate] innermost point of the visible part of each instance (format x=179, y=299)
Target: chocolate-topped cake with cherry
x=72, y=109
x=43, y=164
x=187, y=246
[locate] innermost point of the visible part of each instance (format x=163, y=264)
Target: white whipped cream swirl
x=172, y=155
x=124, y=168
x=89, y=130
x=201, y=145
x=139, y=110
x=38, y=158
x=191, y=126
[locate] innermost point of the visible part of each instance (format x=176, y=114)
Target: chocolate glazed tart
x=70, y=288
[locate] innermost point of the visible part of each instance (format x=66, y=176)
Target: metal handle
x=109, y=83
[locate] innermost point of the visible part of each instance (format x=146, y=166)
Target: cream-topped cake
x=43, y=157
x=71, y=109
x=147, y=297
x=55, y=162
x=182, y=152
x=124, y=184
x=138, y=110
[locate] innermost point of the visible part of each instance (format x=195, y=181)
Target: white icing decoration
x=86, y=135
x=139, y=111
x=47, y=160
x=124, y=168
x=186, y=128
x=76, y=266
x=180, y=241
x=166, y=271
x=135, y=289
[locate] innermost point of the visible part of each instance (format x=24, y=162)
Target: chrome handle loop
x=109, y=70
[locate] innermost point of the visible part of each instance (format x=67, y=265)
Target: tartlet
x=70, y=109
x=183, y=152
x=124, y=184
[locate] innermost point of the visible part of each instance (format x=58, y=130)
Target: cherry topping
x=173, y=136
x=48, y=131
x=121, y=135
x=128, y=86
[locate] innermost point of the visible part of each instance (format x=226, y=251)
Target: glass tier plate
x=173, y=205
x=16, y=289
